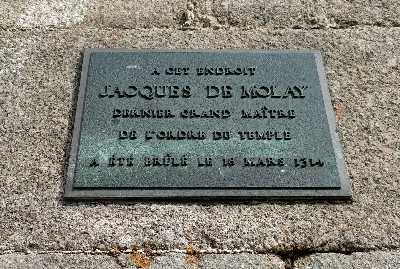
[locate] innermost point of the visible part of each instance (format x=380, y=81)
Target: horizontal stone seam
x=84, y=27
x=128, y=251
x=293, y=253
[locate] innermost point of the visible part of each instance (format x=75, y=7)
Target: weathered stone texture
x=139, y=261
x=40, y=46
x=57, y=260
x=358, y=260
x=221, y=13
x=27, y=14
x=236, y=261
x=193, y=261
x=135, y=13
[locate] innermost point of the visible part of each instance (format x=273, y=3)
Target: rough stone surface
x=357, y=260
x=133, y=14
x=27, y=14
x=57, y=260
x=40, y=46
x=236, y=261
x=296, y=14
x=39, y=79
x=135, y=260
x=192, y=261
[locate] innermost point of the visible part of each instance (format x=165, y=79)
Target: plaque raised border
x=344, y=192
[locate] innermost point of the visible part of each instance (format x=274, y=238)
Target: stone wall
x=40, y=53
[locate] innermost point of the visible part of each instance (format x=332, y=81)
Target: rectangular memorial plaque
x=204, y=124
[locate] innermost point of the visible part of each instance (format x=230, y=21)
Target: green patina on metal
x=119, y=153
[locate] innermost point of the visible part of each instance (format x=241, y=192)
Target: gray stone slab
x=303, y=159
x=135, y=14
x=310, y=14
x=42, y=14
x=185, y=261
x=39, y=84
x=236, y=261
x=57, y=260
x=357, y=260
x=206, y=13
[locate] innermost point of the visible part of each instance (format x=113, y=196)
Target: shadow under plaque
x=199, y=124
